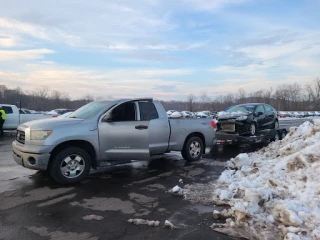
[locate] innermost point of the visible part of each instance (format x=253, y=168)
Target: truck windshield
x=241, y=109
x=88, y=111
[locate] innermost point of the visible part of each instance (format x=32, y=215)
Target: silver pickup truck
x=108, y=132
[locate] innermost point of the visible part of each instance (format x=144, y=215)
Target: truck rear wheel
x=192, y=149
x=70, y=166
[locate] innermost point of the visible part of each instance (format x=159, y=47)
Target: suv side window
x=268, y=108
x=8, y=110
x=124, y=112
x=144, y=111
x=260, y=109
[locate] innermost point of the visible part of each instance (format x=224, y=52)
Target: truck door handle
x=141, y=127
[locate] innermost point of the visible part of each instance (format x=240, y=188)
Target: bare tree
x=3, y=89
x=88, y=98
x=190, y=102
x=294, y=94
x=241, y=95
x=313, y=92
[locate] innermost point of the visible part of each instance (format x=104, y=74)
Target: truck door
x=159, y=130
x=123, y=134
x=269, y=116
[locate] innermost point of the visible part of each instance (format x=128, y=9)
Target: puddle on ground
x=58, y=235
x=38, y=194
x=107, y=204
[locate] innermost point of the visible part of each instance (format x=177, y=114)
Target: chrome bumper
x=31, y=160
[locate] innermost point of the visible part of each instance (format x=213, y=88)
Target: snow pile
x=92, y=217
x=144, y=222
x=168, y=224
x=273, y=193
x=176, y=190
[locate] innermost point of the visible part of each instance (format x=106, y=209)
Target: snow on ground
x=288, y=119
x=294, y=118
x=144, y=222
x=92, y=217
x=273, y=193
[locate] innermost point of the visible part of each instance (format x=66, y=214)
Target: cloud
x=166, y=88
x=8, y=41
x=80, y=81
x=210, y=5
x=9, y=55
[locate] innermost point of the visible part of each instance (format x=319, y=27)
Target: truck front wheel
x=192, y=149
x=70, y=166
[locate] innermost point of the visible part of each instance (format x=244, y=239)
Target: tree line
x=285, y=97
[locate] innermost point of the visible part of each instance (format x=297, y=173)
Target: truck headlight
x=241, y=118
x=40, y=134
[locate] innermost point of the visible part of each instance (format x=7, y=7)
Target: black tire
x=252, y=129
x=192, y=149
x=277, y=137
x=283, y=134
x=275, y=124
x=79, y=163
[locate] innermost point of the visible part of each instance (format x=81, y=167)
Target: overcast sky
x=160, y=48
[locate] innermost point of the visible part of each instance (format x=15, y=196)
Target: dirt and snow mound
x=273, y=193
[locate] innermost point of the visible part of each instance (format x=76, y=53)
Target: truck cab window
x=124, y=112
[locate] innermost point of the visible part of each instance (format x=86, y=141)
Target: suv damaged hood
x=232, y=115
x=46, y=124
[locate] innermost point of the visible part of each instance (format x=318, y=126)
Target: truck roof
x=126, y=100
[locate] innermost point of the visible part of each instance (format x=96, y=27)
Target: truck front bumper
x=36, y=161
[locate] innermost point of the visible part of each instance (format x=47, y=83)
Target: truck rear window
x=8, y=110
x=144, y=111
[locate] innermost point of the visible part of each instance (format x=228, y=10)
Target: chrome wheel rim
x=195, y=149
x=277, y=124
x=72, y=166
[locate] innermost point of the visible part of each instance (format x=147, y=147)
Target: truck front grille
x=20, y=137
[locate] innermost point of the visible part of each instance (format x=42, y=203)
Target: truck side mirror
x=107, y=117
x=260, y=113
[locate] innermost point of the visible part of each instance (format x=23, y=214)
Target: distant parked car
x=65, y=115
x=297, y=115
x=176, y=115
x=248, y=118
x=186, y=114
x=283, y=115
x=311, y=114
x=201, y=115
x=58, y=112
x=24, y=111
x=317, y=113
x=169, y=112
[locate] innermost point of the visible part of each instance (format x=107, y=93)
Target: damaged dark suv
x=248, y=119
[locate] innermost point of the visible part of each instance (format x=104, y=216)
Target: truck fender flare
x=85, y=145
